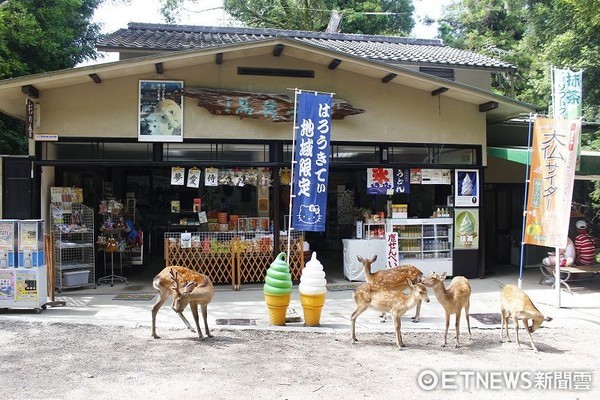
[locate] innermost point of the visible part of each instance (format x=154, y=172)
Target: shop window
x=216, y=152
x=97, y=151
x=344, y=154
x=432, y=154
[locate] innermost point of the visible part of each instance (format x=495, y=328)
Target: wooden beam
x=278, y=50
x=489, y=106
x=160, y=68
x=334, y=63
x=95, y=78
x=219, y=59
x=439, y=91
x=30, y=91
x=388, y=78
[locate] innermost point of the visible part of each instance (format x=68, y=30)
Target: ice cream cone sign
x=277, y=289
x=312, y=290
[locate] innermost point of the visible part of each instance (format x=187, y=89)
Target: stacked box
x=8, y=243
x=31, y=243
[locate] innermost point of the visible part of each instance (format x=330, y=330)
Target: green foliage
x=12, y=136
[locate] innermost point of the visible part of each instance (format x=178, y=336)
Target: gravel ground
x=40, y=360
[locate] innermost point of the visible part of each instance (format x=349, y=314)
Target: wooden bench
x=573, y=273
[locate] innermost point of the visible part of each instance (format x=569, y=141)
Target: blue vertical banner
x=311, y=171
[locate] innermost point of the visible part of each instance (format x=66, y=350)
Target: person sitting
x=566, y=256
x=585, y=245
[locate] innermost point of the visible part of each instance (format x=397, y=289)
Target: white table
x=366, y=248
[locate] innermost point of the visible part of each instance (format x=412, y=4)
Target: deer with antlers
x=387, y=299
x=197, y=290
x=453, y=298
x=395, y=277
x=515, y=303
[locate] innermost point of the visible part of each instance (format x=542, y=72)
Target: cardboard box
x=76, y=278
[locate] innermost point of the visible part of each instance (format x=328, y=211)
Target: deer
x=387, y=299
x=393, y=277
x=453, y=299
x=515, y=302
x=198, y=290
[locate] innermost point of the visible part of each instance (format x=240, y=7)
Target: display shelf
x=374, y=230
x=74, y=253
x=425, y=243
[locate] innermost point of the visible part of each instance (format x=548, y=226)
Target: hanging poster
x=193, y=179
x=391, y=250
x=177, y=176
x=466, y=231
x=402, y=181
x=380, y=181
x=466, y=188
x=312, y=136
x=415, y=175
x=567, y=89
x=26, y=285
x=160, y=117
x=211, y=176
x=435, y=177
x=551, y=176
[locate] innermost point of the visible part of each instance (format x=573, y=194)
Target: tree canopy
x=38, y=36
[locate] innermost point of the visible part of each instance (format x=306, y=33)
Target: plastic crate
x=75, y=278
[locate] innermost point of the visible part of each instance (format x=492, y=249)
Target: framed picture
x=466, y=188
x=160, y=111
x=242, y=224
x=252, y=224
x=263, y=223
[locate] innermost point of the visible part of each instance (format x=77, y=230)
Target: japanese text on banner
x=312, y=162
x=551, y=181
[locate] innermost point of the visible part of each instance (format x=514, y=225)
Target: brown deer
x=393, y=277
x=387, y=299
x=198, y=290
x=454, y=298
x=514, y=302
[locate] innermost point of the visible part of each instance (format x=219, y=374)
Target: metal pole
x=289, y=232
x=521, y=261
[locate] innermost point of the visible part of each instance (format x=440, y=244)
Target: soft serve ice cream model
x=312, y=290
x=277, y=289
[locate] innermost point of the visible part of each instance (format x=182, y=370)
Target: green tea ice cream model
x=277, y=289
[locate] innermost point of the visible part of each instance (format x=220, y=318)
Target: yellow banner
x=551, y=175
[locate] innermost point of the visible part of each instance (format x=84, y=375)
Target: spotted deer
x=197, y=290
x=393, y=277
x=387, y=299
x=516, y=304
x=453, y=298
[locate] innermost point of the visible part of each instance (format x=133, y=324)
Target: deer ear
x=443, y=276
x=360, y=259
x=374, y=258
x=409, y=283
x=189, y=287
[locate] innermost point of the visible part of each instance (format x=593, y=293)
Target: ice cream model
x=277, y=289
x=467, y=186
x=312, y=290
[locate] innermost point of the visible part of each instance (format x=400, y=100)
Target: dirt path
x=70, y=361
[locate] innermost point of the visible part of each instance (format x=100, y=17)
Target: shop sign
x=380, y=181
x=391, y=250
x=466, y=188
x=402, y=181
x=567, y=87
x=30, y=117
x=311, y=155
x=551, y=176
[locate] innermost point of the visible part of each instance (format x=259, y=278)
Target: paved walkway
x=98, y=306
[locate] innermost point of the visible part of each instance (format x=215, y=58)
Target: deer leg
x=446, y=331
x=417, y=316
x=397, y=324
x=457, y=328
x=162, y=297
x=205, y=318
x=530, y=337
x=185, y=321
x=468, y=321
x=504, y=315
x=359, y=310
x=516, y=321
x=194, y=308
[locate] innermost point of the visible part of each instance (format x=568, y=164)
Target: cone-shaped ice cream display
x=312, y=291
x=277, y=289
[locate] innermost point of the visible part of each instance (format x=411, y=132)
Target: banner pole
x=557, y=276
x=521, y=261
x=295, y=128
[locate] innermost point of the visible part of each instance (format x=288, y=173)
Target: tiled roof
x=391, y=49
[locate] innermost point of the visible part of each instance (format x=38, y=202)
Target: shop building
x=405, y=106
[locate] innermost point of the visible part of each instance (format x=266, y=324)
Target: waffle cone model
x=312, y=306
x=277, y=305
